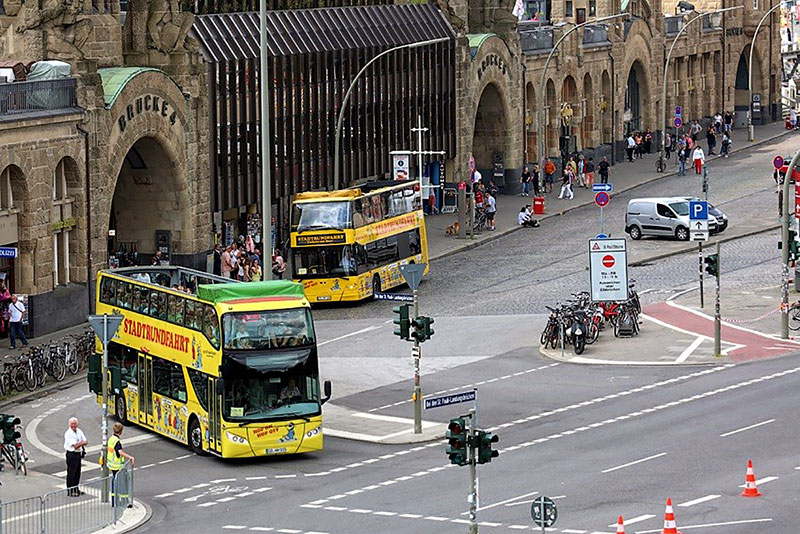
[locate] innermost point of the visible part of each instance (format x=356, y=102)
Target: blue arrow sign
x=601, y=236
x=605, y=188
x=397, y=297
x=698, y=210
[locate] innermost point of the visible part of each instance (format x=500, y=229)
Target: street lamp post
x=266, y=159
x=346, y=98
x=785, y=221
x=751, y=134
x=542, y=96
x=666, y=67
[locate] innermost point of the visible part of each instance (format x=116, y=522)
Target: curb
x=507, y=231
x=148, y=514
x=685, y=250
x=22, y=398
x=555, y=355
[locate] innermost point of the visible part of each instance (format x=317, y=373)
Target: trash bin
x=538, y=205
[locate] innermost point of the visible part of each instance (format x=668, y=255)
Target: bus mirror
x=326, y=387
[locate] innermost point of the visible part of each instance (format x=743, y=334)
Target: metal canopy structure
x=313, y=56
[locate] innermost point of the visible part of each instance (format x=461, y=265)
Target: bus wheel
x=376, y=284
x=195, y=436
x=120, y=409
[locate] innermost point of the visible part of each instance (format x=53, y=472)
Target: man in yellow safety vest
x=115, y=459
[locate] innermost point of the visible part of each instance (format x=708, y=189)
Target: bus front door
x=214, y=416
x=145, y=390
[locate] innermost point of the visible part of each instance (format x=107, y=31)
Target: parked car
x=722, y=219
x=666, y=216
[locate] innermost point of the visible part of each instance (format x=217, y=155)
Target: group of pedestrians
x=580, y=172
x=637, y=144
x=687, y=145
x=242, y=261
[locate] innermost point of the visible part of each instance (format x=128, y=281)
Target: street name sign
x=544, y=512
x=698, y=220
x=602, y=199
x=412, y=272
x=608, y=269
x=396, y=297
x=447, y=400
x=596, y=188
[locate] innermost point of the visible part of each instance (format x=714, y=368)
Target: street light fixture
x=666, y=68
x=346, y=98
x=751, y=136
x=542, y=97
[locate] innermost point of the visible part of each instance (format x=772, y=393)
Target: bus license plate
x=324, y=297
x=276, y=451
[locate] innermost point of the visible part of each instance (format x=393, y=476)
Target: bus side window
x=200, y=385
x=128, y=363
x=386, y=205
x=190, y=317
x=211, y=325
x=158, y=305
x=144, y=300
x=377, y=209
x=175, y=310
x=125, y=291
x=107, y=291
x=168, y=380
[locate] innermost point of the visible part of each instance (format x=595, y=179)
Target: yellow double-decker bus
x=350, y=244
x=228, y=368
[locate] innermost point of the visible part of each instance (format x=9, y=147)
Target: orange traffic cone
x=620, y=526
x=750, y=489
x=669, y=520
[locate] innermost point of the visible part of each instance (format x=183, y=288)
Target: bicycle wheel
x=545, y=337
x=73, y=361
x=794, y=323
x=59, y=369
x=593, y=334
x=22, y=458
x=30, y=379
x=41, y=374
x=660, y=165
x=18, y=378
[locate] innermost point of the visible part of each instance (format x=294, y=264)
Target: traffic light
x=484, y=441
x=793, y=245
x=712, y=264
x=94, y=374
x=422, y=328
x=402, y=321
x=457, y=441
x=10, y=432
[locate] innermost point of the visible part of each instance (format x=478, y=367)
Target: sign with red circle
x=678, y=122
x=602, y=199
x=777, y=162
x=608, y=261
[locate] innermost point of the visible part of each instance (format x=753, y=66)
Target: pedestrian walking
x=682, y=162
x=16, y=311
x=695, y=130
x=728, y=120
x=648, y=141
x=255, y=271
x=667, y=145
x=726, y=145
x=699, y=159
x=549, y=171
x=115, y=460
x=525, y=182
x=535, y=180
x=278, y=266
x=588, y=169
x=603, y=168
x=75, y=447
x=225, y=262
x=491, y=210
x=711, y=139
x=581, y=169
x=638, y=149
x=718, y=123
x=566, y=184
x=630, y=147
x=217, y=263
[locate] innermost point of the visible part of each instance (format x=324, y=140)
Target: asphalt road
x=601, y=441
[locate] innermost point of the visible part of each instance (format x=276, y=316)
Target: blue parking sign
x=698, y=210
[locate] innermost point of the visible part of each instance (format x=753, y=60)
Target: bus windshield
x=319, y=262
x=276, y=384
x=265, y=330
x=321, y=216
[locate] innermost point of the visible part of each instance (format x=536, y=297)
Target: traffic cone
x=669, y=520
x=750, y=489
x=620, y=526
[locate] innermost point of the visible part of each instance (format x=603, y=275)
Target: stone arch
x=14, y=187
x=636, y=91
x=741, y=99
x=605, y=108
x=551, y=121
x=491, y=131
x=588, y=124
x=16, y=201
x=639, y=59
x=530, y=123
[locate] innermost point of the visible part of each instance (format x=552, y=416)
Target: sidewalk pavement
x=624, y=176
x=341, y=422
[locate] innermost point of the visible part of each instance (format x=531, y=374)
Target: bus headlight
x=236, y=439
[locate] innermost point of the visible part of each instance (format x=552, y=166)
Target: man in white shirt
x=16, y=310
x=524, y=218
x=74, y=442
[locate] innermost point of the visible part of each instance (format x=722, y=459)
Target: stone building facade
x=125, y=134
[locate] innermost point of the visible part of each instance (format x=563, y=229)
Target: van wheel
x=376, y=284
x=635, y=233
x=682, y=233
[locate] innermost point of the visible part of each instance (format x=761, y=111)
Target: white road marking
x=435, y=518
x=220, y=480
x=700, y=500
x=732, y=432
x=362, y=331
x=410, y=516
x=258, y=478
x=634, y=462
x=708, y=525
x=572, y=531
x=689, y=350
x=501, y=503
x=30, y=429
x=634, y=520
x=282, y=476
x=234, y=527
x=262, y=529
x=761, y=481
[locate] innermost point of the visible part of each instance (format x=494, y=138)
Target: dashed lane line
x=634, y=520
x=271, y=529
x=466, y=386
x=635, y=462
x=762, y=481
x=699, y=501
x=709, y=525
x=732, y=432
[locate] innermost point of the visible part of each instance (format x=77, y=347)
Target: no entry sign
x=608, y=261
x=608, y=269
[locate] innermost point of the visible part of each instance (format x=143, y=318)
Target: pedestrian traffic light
x=422, y=328
x=793, y=245
x=484, y=442
x=712, y=264
x=457, y=441
x=94, y=374
x=9, y=424
x=428, y=330
x=402, y=321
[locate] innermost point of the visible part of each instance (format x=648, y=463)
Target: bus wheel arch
x=121, y=409
x=194, y=437
x=376, y=283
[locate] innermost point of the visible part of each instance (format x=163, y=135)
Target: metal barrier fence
x=101, y=502
x=21, y=97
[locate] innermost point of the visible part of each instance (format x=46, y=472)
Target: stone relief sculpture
x=458, y=24
x=491, y=16
x=168, y=27
x=64, y=34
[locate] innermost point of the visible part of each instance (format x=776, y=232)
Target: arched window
x=62, y=219
x=6, y=195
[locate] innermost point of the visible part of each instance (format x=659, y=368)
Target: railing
x=595, y=35
x=536, y=40
x=672, y=25
x=25, y=97
x=101, y=503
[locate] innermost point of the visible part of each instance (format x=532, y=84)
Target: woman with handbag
x=5, y=298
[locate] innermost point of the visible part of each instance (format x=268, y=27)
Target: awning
x=233, y=36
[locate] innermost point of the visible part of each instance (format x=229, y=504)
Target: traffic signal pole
x=785, y=247
x=104, y=424
x=417, y=387
x=700, y=257
x=717, y=318
x=473, y=472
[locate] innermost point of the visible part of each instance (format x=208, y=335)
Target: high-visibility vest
x=115, y=462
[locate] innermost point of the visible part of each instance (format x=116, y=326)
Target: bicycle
x=12, y=449
x=661, y=165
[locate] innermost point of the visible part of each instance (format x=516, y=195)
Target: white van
x=666, y=216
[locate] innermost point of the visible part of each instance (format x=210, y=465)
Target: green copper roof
x=115, y=79
x=476, y=40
